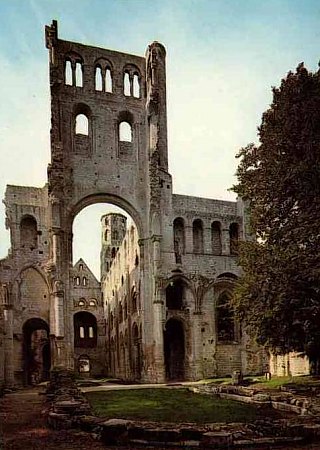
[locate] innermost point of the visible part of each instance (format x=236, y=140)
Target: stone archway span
x=112, y=199
x=37, y=269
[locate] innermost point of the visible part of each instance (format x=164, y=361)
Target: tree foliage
x=279, y=293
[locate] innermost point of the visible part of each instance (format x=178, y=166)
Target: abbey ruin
x=161, y=309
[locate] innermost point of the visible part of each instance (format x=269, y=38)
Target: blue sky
x=223, y=56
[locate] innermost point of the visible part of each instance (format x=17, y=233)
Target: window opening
x=125, y=132
x=79, y=75
x=81, y=332
x=84, y=281
x=91, y=334
x=225, y=319
x=136, y=86
x=197, y=236
x=108, y=81
x=216, y=238
x=179, y=238
x=77, y=281
x=68, y=74
x=175, y=295
x=126, y=84
x=98, y=79
x=82, y=124
x=234, y=238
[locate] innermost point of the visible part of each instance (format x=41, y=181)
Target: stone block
x=114, y=431
x=217, y=439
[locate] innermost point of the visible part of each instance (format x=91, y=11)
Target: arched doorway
x=174, y=350
x=36, y=351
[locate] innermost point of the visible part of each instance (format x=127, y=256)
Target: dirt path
x=23, y=427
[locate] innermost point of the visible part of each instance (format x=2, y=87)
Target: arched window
x=175, y=295
x=82, y=302
x=126, y=84
x=216, y=238
x=225, y=319
x=197, y=229
x=84, y=281
x=85, y=329
x=79, y=75
x=68, y=73
x=136, y=86
x=234, y=238
x=28, y=233
x=82, y=124
x=92, y=302
x=98, y=79
x=108, y=81
x=77, y=281
x=125, y=132
x=178, y=238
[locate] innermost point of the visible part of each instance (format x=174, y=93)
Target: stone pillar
x=225, y=241
x=194, y=371
x=158, y=312
x=8, y=347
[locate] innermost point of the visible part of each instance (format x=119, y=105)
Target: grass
x=277, y=382
x=171, y=405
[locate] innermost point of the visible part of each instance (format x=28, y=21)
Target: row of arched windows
x=78, y=281
x=82, y=302
x=82, y=128
x=198, y=240
x=73, y=76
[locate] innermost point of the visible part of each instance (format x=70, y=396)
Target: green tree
x=278, y=296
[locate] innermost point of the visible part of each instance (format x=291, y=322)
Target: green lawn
x=171, y=405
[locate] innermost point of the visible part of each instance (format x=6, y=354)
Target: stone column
x=195, y=357
x=8, y=347
x=225, y=241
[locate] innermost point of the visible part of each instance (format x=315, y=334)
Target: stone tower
x=113, y=230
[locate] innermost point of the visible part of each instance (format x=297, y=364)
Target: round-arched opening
x=36, y=351
x=28, y=233
x=175, y=295
x=174, y=350
x=99, y=235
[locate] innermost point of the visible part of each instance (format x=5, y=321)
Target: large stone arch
x=34, y=293
x=99, y=197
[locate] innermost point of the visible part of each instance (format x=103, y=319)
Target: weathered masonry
x=161, y=310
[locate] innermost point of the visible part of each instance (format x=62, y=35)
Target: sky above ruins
x=223, y=56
